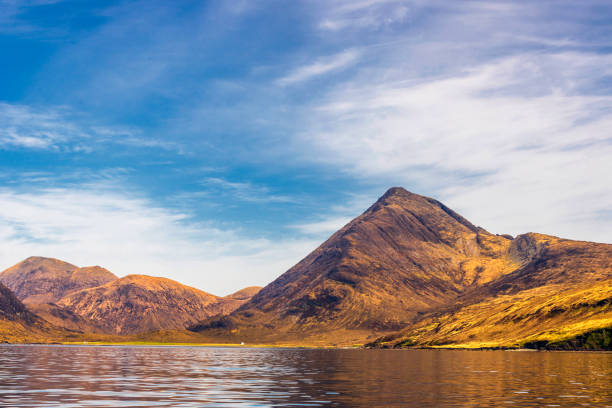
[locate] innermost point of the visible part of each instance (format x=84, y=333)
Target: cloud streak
x=246, y=191
x=320, y=67
x=62, y=129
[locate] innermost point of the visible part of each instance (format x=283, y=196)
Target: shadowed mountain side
x=139, y=303
x=11, y=308
x=563, y=289
x=406, y=255
x=18, y=324
x=64, y=318
x=47, y=280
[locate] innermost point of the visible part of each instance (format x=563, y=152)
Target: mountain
x=561, y=292
x=408, y=272
x=405, y=255
x=140, y=303
x=40, y=280
x=11, y=308
x=93, y=300
x=18, y=324
x=407, y=264
x=64, y=318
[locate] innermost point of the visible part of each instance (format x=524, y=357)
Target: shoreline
x=293, y=346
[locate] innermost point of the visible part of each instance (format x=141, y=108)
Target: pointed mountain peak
x=426, y=209
x=396, y=192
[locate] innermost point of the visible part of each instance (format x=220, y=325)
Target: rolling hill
x=140, y=303
x=93, y=300
x=40, y=280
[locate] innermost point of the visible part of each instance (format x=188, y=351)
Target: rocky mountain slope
x=40, y=280
x=562, y=290
x=409, y=260
x=139, y=303
x=93, y=300
x=18, y=324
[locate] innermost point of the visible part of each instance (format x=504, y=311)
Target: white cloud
x=97, y=224
x=522, y=143
x=61, y=129
x=25, y=127
x=325, y=226
x=337, y=216
x=320, y=67
x=246, y=191
x=365, y=14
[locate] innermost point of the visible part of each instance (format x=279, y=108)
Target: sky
x=217, y=143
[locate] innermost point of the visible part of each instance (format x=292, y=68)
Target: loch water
x=143, y=376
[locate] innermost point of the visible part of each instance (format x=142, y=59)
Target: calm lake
x=91, y=376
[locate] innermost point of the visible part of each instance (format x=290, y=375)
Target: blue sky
x=217, y=143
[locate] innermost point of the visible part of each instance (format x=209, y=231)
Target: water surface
x=92, y=376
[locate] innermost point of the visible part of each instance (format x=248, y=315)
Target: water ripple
x=91, y=376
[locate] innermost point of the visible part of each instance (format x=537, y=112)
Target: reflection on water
x=88, y=376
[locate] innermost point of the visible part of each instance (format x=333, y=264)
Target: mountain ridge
x=408, y=272
x=404, y=260
x=93, y=300
x=45, y=280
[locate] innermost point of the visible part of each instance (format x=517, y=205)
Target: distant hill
x=409, y=260
x=93, y=300
x=244, y=294
x=229, y=303
x=140, y=303
x=40, y=280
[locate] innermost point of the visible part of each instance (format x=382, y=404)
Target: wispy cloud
x=320, y=67
x=62, y=129
x=10, y=14
x=365, y=14
x=506, y=141
x=246, y=191
x=325, y=226
x=127, y=233
x=23, y=126
x=336, y=216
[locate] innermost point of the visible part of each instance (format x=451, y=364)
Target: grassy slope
x=550, y=313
